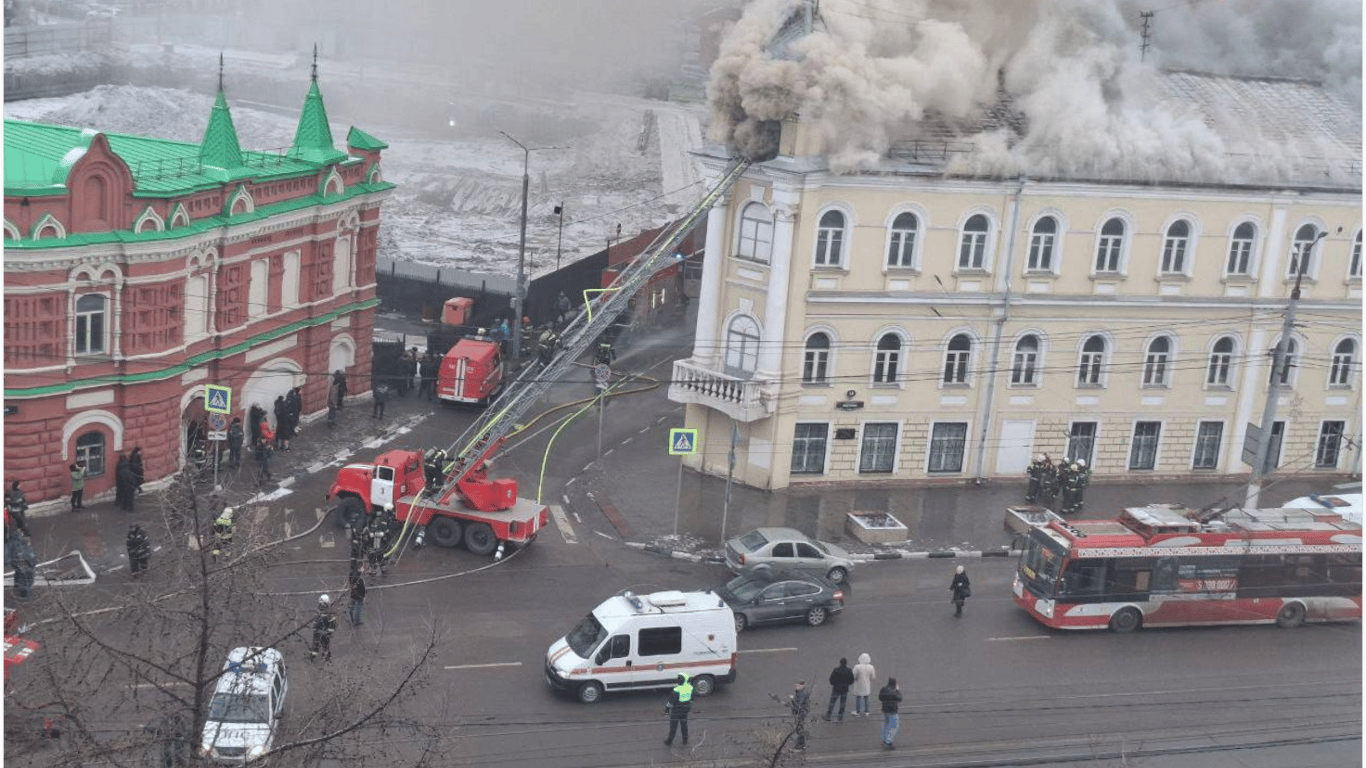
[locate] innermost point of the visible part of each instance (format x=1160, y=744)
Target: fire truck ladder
x=485, y=437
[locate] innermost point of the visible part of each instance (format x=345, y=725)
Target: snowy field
x=458, y=199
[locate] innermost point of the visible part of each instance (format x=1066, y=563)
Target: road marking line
x=627, y=440
x=562, y=522
x=1022, y=637
x=767, y=650
x=483, y=666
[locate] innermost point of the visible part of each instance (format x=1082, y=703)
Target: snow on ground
x=458, y=200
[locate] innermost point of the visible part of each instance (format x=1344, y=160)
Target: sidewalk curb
x=669, y=552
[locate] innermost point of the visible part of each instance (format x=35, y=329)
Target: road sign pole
x=216, y=457
x=600, y=404
x=678, y=499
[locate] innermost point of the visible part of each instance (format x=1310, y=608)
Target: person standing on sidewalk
x=840, y=679
x=77, y=486
x=357, y=597
x=680, y=704
x=339, y=379
x=235, y=438
x=139, y=550
x=800, y=702
x=139, y=474
x=16, y=507
x=381, y=397
x=961, y=588
x=126, y=485
x=864, y=674
x=890, y=696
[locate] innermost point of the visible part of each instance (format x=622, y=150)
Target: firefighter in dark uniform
x=380, y=535
x=1038, y=468
x=1081, y=477
x=1062, y=475
x=433, y=466
x=222, y=531
x=606, y=354
x=139, y=550
x=324, y=624
x=680, y=704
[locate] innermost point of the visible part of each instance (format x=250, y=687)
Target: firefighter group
x=1047, y=481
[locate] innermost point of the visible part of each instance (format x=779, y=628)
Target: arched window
x=742, y=347
x=1092, y=358
x=830, y=239
x=1110, y=246
x=1220, y=363
x=956, y=359
x=1024, y=369
x=1041, y=244
x=90, y=449
x=1175, y=247
x=1240, y=250
x=756, y=233
x=1301, y=251
x=816, y=361
x=901, y=244
x=887, y=360
x=1155, y=362
x=972, y=247
x=1344, y=359
x=91, y=322
x=1291, y=349
x=1354, y=269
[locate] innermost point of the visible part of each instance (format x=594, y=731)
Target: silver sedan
x=786, y=548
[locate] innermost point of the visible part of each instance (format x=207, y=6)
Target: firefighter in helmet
x=222, y=531
x=324, y=624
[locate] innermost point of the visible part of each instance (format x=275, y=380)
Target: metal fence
x=447, y=276
x=66, y=37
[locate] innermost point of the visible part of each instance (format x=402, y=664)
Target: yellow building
x=912, y=323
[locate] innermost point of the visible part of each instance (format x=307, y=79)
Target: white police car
x=246, y=706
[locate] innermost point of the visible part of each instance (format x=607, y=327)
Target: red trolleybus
x=1161, y=566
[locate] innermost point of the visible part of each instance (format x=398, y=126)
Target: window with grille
x=1092, y=357
x=91, y=321
x=1110, y=246
x=830, y=239
x=1025, y=366
x=1174, y=248
x=901, y=244
x=1209, y=436
x=742, y=347
x=1220, y=363
x=1301, y=250
x=1155, y=362
x=887, y=359
x=756, y=233
x=878, y=452
x=808, y=449
x=956, y=359
x=1330, y=444
x=816, y=362
x=1344, y=359
x=1041, y=244
x=90, y=449
x=973, y=245
x=947, y=443
x=1143, y=447
x=1240, y=250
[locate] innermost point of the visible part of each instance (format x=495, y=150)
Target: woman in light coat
x=864, y=674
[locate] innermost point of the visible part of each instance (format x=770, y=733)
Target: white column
x=775, y=304
x=1271, y=282
x=705, y=341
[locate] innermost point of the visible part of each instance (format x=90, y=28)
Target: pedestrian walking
x=222, y=532
x=381, y=397
x=77, y=486
x=125, y=486
x=960, y=588
x=800, y=704
x=16, y=509
x=235, y=437
x=357, y=584
x=864, y=674
x=324, y=624
x=841, y=678
x=1037, y=469
x=339, y=379
x=680, y=704
x=890, y=696
x=139, y=550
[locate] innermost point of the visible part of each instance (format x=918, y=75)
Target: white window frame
x=841, y=236
x=734, y=358
x=1157, y=445
x=1033, y=364
x=1337, y=450
x=1354, y=259
x=897, y=241
x=761, y=249
x=1069, y=453
x=1196, y=448
x=1157, y=366
x=1224, y=361
x=1342, y=368
x=1187, y=249
x=1106, y=243
x=882, y=358
x=930, y=448
x=1246, y=248
x=79, y=316
x=957, y=368
x=1100, y=366
x=895, y=445
x=817, y=360
x=825, y=458
x=1045, y=248
x=83, y=452
x=1298, y=247
x=986, y=244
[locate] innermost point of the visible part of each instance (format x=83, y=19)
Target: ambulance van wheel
x=703, y=685
x=444, y=531
x=590, y=692
x=479, y=539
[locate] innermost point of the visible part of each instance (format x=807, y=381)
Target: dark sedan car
x=765, y=596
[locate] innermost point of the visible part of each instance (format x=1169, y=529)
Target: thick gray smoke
x=1088, y=105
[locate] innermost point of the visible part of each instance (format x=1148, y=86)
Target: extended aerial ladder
x=466, y=471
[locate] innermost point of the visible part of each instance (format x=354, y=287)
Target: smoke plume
x=1081, y=99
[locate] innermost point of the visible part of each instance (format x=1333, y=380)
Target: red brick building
x=138, y=270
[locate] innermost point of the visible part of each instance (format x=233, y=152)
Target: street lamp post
x=559, y=211
x=517, y=310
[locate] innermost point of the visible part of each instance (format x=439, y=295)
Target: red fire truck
x=471, y=371
x=458, y=501
x=1163, y=566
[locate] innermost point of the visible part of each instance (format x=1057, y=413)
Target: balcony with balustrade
x=741, y=399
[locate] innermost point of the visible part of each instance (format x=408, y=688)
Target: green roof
x=220, y=149
x=362, y=140
x=313, y=139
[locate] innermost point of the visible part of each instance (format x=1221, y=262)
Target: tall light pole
x=1278, y=362
x=520, y=291
x=559, y=211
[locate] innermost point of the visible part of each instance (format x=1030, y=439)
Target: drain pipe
x=984, y=415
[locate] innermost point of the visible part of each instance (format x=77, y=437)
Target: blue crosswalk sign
x=217, y=399
x=682, y=442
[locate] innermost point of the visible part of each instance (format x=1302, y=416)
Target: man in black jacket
x=840, y=679
x=890, y=696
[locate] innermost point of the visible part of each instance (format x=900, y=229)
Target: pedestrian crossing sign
x=217, y=399
x=682, y=442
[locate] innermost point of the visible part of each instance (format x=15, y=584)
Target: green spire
x=220, y=148
x=313, y=139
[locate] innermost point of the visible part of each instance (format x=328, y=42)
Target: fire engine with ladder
x=466, y=504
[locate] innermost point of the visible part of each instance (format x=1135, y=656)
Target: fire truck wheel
x=703, y=685
x=479, y=539
x=444, y=531
x=1125, y=620
x=1291, y=615
x=590, y=692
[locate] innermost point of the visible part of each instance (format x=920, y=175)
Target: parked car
x=763, y=595
x=788, y=549
x=246, y=706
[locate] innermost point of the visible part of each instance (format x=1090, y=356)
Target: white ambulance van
x=635, y=642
